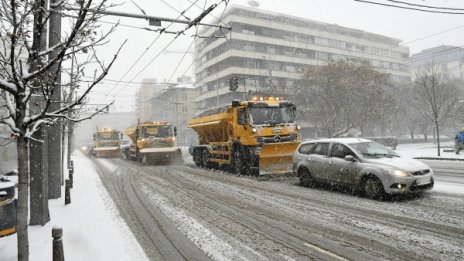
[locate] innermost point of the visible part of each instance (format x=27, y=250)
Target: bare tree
x=436, y=99
x=340, y=97
x=28, y=74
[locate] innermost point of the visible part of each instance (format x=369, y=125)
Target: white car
x=361, y=164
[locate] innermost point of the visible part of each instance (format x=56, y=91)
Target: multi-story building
x=176, y=105
x=448, y=61
x=267, y=49
x=147, y=89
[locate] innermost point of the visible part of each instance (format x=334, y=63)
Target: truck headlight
x=253, y=130
x=398, y=173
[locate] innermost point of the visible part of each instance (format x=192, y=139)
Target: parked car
x=361, y=164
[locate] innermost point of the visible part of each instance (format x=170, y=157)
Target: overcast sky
x=409, y=26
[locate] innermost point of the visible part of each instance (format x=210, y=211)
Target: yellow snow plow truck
x=107, y=143
x=153, y=142
x=247, y=137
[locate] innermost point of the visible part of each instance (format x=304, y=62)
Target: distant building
x=176, y=105
x=143, y=105
x=272, y=49
x=447, y=60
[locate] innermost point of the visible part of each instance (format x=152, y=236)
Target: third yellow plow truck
x=247, y=137
x=106, y=143
x=153, y=142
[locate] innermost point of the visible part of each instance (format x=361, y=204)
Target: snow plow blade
x=277, y=158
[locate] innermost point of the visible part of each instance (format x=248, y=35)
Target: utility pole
x=55, y=162
x=217, y=90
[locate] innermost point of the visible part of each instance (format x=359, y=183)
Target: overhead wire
x=182, y=59
x=409, y=8
x=148, y=48
x=173, y=8
x=141, y=10
x=208, y=42
x=177, y=35
x=204, y=9
x=426, y=6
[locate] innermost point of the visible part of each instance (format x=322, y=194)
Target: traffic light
x=233, y=84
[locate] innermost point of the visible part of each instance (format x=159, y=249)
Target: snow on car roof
x=341, y=140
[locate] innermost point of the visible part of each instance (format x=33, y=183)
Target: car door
x=317, y=161
x=338, y=169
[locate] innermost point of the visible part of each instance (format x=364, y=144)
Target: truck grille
x=276, y=139
x=160, y=144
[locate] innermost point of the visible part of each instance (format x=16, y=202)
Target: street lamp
x=269, y=69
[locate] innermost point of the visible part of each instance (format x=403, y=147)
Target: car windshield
x=272, y=115
x=156, y=131
x=107, y=135
x=373, y=150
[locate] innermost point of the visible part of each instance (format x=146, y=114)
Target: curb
x=436, y=158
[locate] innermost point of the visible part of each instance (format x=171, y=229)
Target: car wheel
x=305, y=177
x=373, y=188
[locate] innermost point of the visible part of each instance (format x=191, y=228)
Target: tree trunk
x=38, y=180
x=438, y=138
x=23, y=193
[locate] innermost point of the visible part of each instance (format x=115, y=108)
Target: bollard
x=67, y=192
x=58, y=252
x=71, y=177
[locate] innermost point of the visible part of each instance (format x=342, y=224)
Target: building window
x=250, y=47
x=271, y=49
x=251, y=63
x=289, y=68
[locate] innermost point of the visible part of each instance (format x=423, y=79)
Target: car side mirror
x=175, y=131
x=350, y=158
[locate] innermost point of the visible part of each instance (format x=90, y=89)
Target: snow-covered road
x=184, y=212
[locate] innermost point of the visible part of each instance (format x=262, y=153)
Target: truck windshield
x=272, y=115
x=156, y=132
x=108, y=136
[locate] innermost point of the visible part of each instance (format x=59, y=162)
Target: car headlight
x=398, y=173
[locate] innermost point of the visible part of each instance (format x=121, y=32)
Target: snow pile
x=92, y=227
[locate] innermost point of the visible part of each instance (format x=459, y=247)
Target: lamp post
x=269, y=69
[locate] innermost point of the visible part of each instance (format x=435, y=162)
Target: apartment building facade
x=148, y=88
x=267, y=49
x=447, y=60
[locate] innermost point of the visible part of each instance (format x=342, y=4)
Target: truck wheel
x=205, y=158
x=138, y=156
x=237, y=163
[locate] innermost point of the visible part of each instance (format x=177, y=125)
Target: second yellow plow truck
x=153, y=142
x=247, y=137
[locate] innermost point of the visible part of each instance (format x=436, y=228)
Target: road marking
x=325, y=252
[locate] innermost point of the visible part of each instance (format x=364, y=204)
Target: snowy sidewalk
x=92, y=227
x=429, y=150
